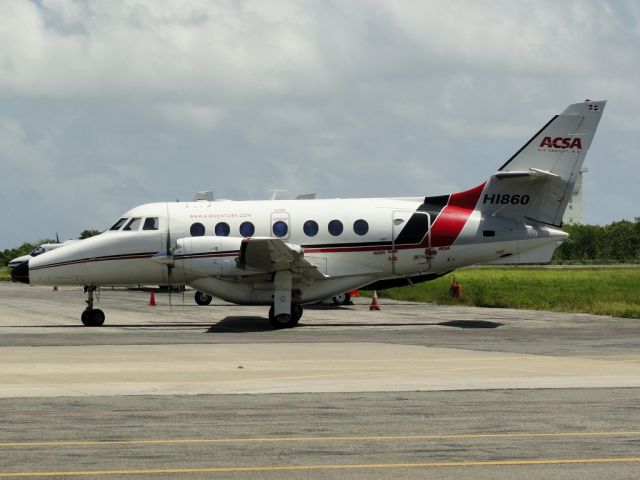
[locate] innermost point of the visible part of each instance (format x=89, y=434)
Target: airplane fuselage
x=353, y=242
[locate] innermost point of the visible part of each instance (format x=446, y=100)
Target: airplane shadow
x=237, y=324
x=241, y=324
x=471, y=324
x=120, y=325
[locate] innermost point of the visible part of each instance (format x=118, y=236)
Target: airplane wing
x=272, y=255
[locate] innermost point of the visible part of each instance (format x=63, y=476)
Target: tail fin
x=536, y=183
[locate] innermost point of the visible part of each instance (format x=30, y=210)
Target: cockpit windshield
x=133, y=224
x=37, y=251
x=118, y=224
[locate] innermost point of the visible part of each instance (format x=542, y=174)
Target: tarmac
x=415, y=390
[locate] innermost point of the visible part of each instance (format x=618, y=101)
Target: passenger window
x=247, y=229
x=335, y=227
x=151, y=223
x=197, y=230
x=222, y=229
x=310, y=228
x=361, y=227
x=118, y=224
x=133, y=224
x=280, y=229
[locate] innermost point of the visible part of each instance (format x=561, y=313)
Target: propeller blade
x=169, y=254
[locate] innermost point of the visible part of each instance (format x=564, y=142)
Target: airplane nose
x=20, y=273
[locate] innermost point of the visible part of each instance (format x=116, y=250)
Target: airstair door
x=411, y=242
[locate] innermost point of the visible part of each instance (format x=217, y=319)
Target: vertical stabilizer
x=536, y=183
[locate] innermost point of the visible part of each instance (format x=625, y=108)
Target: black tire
x=98, y=317
x=86, y=317
x=92, y=318
x=296, y=312
x=285, y=320
x=342, y=299
x=202, y=298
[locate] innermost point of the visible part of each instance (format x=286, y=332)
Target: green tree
x=89, y=233
x=10, y=253
x=618, y=241
x=622, y=243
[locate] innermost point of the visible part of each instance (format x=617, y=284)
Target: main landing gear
x=285, y=320
x=91, y=317
x=283, y=313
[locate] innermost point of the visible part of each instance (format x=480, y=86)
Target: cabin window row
x=281, y=229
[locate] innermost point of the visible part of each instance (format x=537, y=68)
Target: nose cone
x=20, y=273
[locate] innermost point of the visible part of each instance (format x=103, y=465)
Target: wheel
x=285, y=320
x=202, y=298
x=92, y=317
x=296, y=312
x=86, y=317
x=98, y=317
x=342, y=299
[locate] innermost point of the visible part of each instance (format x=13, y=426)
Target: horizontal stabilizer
x=532, y=174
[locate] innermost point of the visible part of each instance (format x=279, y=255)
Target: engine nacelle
x=209, y=256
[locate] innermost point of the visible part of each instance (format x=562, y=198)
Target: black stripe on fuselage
x=127, y=256
x=418, y=225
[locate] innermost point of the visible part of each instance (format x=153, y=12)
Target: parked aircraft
x=287, y=253
x=39, y=250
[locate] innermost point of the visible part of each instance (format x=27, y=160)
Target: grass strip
x=5, y=274
x=600, y=291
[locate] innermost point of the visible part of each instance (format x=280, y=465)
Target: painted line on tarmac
x=293, y=468
x=372, y=438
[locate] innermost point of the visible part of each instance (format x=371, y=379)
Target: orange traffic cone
x=152, y=299
x=375, y=305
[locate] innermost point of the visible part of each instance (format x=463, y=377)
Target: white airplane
x=39, y=250
x=286, y=253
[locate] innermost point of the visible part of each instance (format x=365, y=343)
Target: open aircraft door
x=410, y=243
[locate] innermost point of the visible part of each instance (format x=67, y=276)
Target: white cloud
x=110, y=104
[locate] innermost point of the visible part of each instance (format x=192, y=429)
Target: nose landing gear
x=91, y=317
x=202, y=298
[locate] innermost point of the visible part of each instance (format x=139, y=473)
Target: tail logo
x=561, y=143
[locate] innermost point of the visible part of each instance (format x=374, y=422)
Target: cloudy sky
x=105, y=105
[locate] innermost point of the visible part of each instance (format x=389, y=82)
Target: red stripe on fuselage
x=447, y=227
